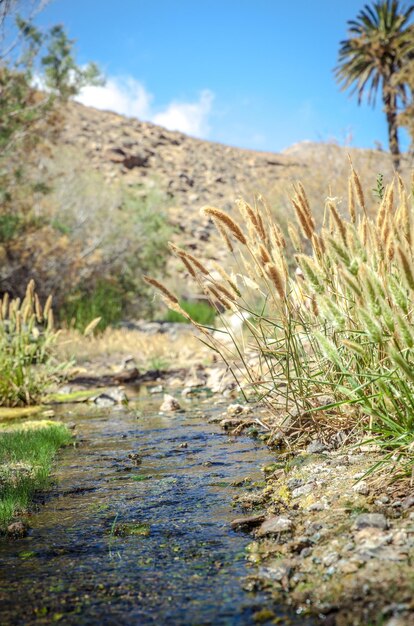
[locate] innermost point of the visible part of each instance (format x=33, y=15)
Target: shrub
x=200, y=312
x=332, y=345
x=106, y=301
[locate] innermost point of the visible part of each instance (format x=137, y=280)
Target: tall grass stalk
x=27, y=336
x=330, y=345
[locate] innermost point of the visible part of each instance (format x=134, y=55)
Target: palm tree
x=380, y=42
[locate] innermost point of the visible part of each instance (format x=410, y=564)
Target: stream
x=136, y=530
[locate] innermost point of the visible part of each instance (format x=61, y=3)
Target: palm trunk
x=390, y=106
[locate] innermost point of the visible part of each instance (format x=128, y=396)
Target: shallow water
x=182, y=565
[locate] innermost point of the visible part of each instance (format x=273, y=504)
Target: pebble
x=330, y=559
x=361, y=487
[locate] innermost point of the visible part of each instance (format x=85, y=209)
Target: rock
x=109, y=397
x=104, y=400
x=139, y=159
x=293, y=483
x=229, y=423
x=408, y=502
x=247, y=522
x=274, y=525
x=235, y=409
x=278, y=570
x=17, y=530
x=317, y=506
x=156, y=389
x=370, y=520
x=135, y=458
x=304, y=490
x=170, y=404
x=316, y=447
x=330, y=559
x=128, y=372
x=349, y=567
x=361, y=487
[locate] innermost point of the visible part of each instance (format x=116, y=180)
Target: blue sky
x=250, y=73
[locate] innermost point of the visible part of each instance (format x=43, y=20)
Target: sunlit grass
x=26, y=456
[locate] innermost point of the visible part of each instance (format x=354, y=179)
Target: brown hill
x=192, y=173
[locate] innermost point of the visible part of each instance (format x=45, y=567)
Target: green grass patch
x=200, y=312
x=26, y=457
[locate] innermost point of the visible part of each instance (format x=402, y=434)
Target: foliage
x=26, y=339
x=25, y=462
x=406, y=117
x=62, y=75
x=106, y=300
x=114, y=235
x=331, y=346
x=29, y=122
x=200, y=312
x=380, y=43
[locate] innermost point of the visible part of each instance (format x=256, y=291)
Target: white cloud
x=188, y=117
x=129, y=97
x=122, y=95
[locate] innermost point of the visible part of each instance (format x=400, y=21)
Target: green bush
x=201, y=312
x=105, y=301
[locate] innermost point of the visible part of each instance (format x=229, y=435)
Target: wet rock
x=135, y=458
x=170, y=404
x=129, y=372
x=247, y=522
x=230, y=423
x=274, y=525
x=16, y=530
x=110, y=397
x=370, y=520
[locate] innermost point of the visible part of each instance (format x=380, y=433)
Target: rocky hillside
x=193, y=173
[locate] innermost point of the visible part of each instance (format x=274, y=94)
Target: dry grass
x=332, y=343
x=159, y=351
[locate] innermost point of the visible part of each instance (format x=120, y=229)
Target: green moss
x=132, y=529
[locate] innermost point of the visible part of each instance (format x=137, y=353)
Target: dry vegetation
x=158, y=351
x=329, y=345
